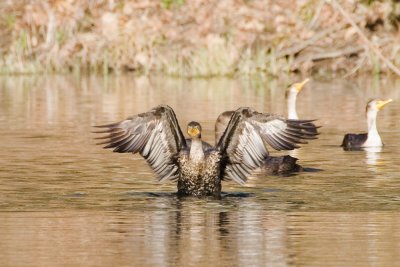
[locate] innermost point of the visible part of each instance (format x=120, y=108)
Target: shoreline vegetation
x=200, y=38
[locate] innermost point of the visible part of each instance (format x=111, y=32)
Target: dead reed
x=199, y=38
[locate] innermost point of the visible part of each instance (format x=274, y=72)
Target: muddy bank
x=199, y=38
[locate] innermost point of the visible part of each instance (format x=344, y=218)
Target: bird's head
x=377, y=104
x=194, y=129
x=296, y=87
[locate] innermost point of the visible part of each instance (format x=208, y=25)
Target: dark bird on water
x=198, y=167
x=372, y=137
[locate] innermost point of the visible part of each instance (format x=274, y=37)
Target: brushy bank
x=199, y=38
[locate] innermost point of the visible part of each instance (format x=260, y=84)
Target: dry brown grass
x=195, y=38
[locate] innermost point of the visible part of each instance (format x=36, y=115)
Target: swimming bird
x=198, y=167
x=372, y=137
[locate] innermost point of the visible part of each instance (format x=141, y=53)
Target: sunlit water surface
x=66, y=202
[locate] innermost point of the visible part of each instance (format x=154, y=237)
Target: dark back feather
x=354, y=141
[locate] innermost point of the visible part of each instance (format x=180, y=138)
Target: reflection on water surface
x=65, y=201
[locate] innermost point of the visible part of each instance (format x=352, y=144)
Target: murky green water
x=66, y=202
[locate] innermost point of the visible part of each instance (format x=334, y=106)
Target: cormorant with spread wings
x=198, y=167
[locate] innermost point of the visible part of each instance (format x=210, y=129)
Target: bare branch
x=364, y=38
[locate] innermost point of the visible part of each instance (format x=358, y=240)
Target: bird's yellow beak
x=300, y=85
x=381, y=103
x=193, y=131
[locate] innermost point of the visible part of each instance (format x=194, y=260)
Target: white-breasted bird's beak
x=300, y=85
x=381, y=103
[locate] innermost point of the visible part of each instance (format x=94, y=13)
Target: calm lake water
x=66, y=202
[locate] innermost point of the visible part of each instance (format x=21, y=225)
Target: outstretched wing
x=243, y=142
x=155, y=135
x=221, y=123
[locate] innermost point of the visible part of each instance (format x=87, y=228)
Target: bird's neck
x=196, y=150
x=291, y=106
x=373, y=136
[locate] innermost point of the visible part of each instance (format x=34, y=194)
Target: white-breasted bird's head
x=377, y=104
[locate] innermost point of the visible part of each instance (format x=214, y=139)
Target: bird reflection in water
x=206, y=231
x=372, y=157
